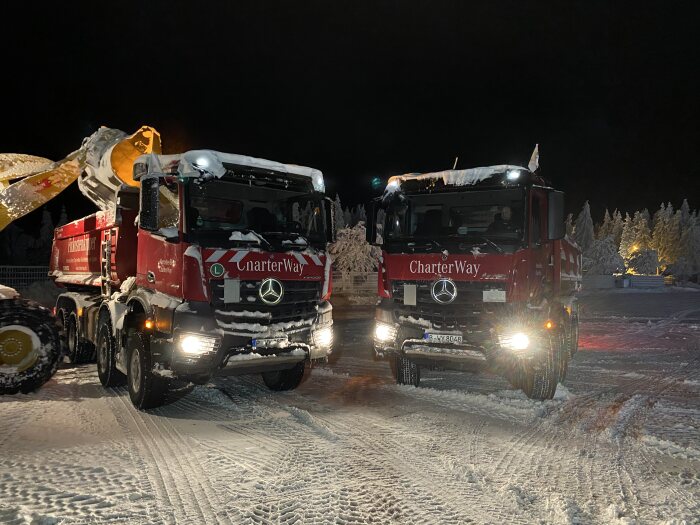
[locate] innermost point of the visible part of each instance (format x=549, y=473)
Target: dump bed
x=79, y=248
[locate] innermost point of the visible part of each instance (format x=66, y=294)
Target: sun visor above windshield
x=500, y=175
x=209, y=163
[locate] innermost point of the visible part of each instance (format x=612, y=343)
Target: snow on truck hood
x=466, y=177
x=192, y=162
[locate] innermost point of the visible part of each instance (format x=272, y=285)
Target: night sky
x=610, y=90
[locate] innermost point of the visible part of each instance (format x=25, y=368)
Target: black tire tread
x=153, y=388
x=39, y=319
x=112, y=376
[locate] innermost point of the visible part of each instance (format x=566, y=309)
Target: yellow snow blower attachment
x=101, y=165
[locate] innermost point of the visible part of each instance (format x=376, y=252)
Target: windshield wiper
x=483, y=238
x=424, y=243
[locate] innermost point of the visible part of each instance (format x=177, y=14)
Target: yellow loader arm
x=101, y=165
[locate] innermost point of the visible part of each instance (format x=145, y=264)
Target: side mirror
x=555, y=223
x=330, y=220
x=148, y=212
x=371, y=226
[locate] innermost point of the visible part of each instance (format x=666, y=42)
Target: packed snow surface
x=619, y=443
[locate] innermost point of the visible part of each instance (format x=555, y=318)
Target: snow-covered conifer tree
x=643, y=262
x=605, y=229
x=569, y=225
x=616, y=229
x=666, y=235
x=602, y=258
x=63, y=218
x=642, y=232
x=626, y=238
x=583, y=229
x=338, y=214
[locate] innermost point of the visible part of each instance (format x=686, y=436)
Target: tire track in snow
x=159, y=453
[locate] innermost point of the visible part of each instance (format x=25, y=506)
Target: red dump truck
x=213, y=264
x=475, y=272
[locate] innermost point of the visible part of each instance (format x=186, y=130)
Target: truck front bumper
x=199, y=347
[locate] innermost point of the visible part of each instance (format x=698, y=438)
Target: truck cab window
x=168, y=205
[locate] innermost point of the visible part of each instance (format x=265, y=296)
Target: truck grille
x=465, y=312
x=298, y=303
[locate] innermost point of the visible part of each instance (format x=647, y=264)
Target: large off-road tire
x=79, y=350
x=146, y=389
x=30, y=347
x=542, y=371
x=289, y=379
x=572, y=336
x=407, y=372
x=106, y=356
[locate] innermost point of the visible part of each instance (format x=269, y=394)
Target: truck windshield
x=493, y=219
x=277, y=218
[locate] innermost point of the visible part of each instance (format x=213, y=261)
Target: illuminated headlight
x=195, y=344
x=513, y=175
x=318, y=183
x=384, y=332
x=515, y=341
x=323, y=337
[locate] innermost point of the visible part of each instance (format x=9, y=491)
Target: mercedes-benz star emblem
x=444, y=291
x=271, y=291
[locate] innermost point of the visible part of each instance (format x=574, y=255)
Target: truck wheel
x=542, y=372
x=572, y=339
x=407, y=372
x=279, y=380
x=79, y=350
x=106, y=356
x=394, y=367
x=146, y=390
x=30, y=347
x=61, y=320
x=564, y=357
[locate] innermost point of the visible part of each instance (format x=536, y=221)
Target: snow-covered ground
x=619, y=444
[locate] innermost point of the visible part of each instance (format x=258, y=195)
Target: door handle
x=150, y=277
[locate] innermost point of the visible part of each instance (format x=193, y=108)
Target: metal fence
x=355, y=284
x=20, y=277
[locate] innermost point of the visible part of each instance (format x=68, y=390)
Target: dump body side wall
x=76, y=254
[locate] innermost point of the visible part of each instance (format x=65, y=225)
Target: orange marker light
x=148, y=324
x=549, y=324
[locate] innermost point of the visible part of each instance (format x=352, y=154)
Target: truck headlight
x=323, y=337
x=514, y=341
x=384, y=332
x=195, y=344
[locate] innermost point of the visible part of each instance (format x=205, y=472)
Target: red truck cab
x=476, y=272
x=216, y=265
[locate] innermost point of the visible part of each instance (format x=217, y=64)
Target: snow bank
x=7, y=292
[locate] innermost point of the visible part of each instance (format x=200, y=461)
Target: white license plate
x=272, y=342
x=444, y=338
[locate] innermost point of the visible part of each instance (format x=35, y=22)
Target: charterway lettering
x=445, y=268
x=285, y=265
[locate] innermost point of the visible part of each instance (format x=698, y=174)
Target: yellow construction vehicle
x=30, y=336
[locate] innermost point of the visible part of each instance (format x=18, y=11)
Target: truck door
x=159, y=260
x=539, y=246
